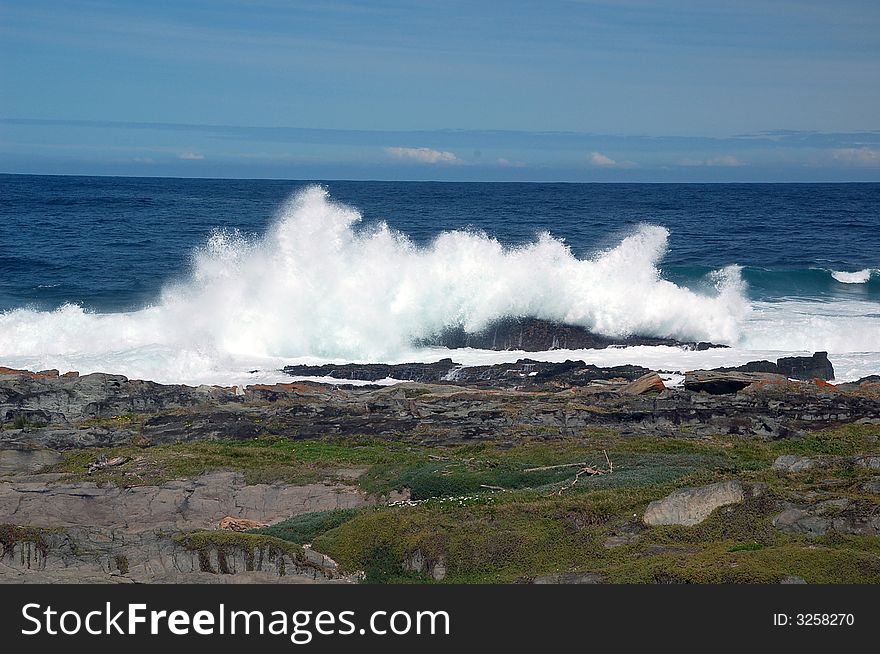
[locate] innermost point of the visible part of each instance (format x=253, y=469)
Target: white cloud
x=189, y=155
x=727, y=160
x=604, y=161
x=857, y=156
x=507, y=163
x=422, y=155
x=599, y=159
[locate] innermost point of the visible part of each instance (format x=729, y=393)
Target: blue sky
x=625, y=90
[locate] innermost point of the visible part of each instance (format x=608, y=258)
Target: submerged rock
x=535, y=335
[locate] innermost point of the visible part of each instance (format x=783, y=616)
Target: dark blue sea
x=164, y=277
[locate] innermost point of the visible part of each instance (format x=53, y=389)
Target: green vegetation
x=227, y=543
x=12, y=534
x=502, y=512
x=302, y=529
x=23, y=421
x=121, y=563
x=261, y=460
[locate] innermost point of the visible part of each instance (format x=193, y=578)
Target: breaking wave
x=320, y=285
x=858, y=277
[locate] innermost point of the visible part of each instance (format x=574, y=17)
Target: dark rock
x=430, y=373
x=525, y=372
x=752, y=366
x=535, y=335
x=468, y=405
x=806, y=368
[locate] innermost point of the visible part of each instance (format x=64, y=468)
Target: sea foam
x=316, y=284
x=319, y=285
x=858, y=277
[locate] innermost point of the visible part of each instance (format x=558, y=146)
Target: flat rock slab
x=88, y=555
x=840, y=515
x=25, y=461
x=192, y=504
x=690, y=506
x=723, y=383
x=570, y=578
x=793, y=463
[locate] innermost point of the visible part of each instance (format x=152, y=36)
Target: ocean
x=225, y=281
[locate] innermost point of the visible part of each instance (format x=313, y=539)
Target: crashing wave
x=858, y=277
x=319, y=284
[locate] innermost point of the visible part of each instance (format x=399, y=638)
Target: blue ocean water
x=111, y=243
x=204, y=280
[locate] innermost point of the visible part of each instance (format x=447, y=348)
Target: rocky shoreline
x=103, y=478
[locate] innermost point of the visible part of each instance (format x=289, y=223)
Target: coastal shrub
x=432, y=478
x=843, y=441
x=23, y=421
x=304, y=528
x=746, y=547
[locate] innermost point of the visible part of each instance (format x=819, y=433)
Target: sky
x=550, y=90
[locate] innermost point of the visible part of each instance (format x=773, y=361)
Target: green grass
x=522, y=527
x=304, y=528
x=526, y=536
x=262, y=460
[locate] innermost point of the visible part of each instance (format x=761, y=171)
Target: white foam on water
x=858, y=277
x=318, y=288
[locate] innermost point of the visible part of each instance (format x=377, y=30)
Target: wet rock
x=752, y=366
x=535, y=335
x=525, y=373
x=690, y=506
x=806, y=368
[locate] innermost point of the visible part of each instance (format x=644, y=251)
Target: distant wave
x=858, y=277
